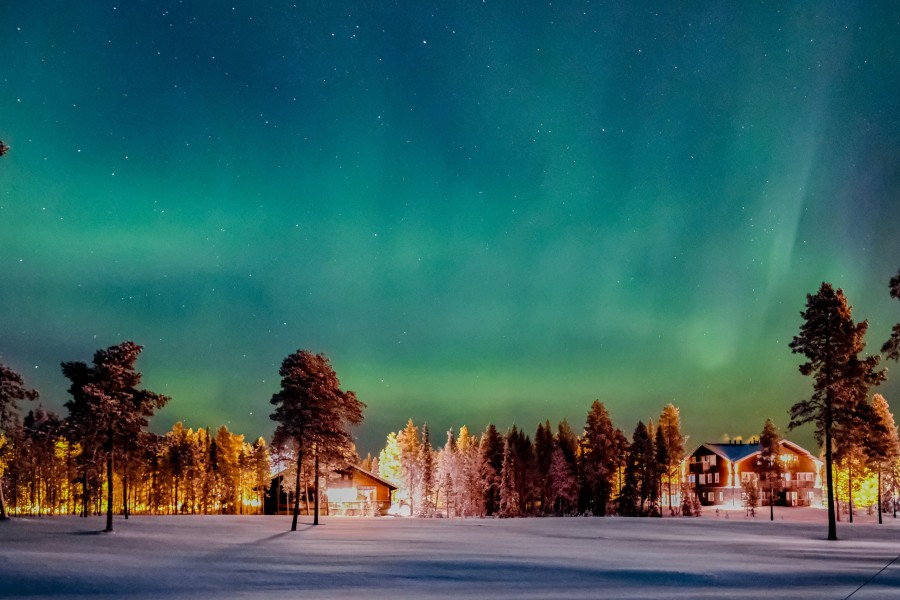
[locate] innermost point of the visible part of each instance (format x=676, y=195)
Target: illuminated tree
x=670, y=425
x=562, y=488
x=390, y=467
x=408, y=438
x=426, y=481
x=315, y=414
x=448, y=474
x=883, y=448
x=106, y=399
x=12, y=389
x=768, y=463
x=831, y=342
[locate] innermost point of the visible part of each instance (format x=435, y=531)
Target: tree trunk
x=879, y=494
x=297, y=485
x=3, y=515
x=109, y=481
x=832, y=526
x=125, y=484
x=316, y=485
x=850, y=491
x=84, y=493
x=771, y=499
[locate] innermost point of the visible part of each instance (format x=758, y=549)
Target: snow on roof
x=735, y=452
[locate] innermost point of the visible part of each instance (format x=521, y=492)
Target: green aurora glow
x=479, y=211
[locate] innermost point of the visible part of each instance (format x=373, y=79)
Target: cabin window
x=702, y=479
x=717, y=477
x=365, y=493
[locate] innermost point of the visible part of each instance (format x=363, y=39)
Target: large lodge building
x=717, y=472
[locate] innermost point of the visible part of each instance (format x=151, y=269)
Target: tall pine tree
x=768, y=463
x=106, y=397
x=315, y=414
x=831, y=342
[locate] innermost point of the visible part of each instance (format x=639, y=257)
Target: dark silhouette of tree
x=313, y=412
x=509, y=494
x=643, y=456
x=105, y=400
x=12, y=389
x=491, y=450
x=768, y=463
x=600, y=459
x=3, y=148
x=524, y=461
x=891, y=348
x=544, y=446
x=831, y=342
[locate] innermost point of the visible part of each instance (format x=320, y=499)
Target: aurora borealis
x=480, y=211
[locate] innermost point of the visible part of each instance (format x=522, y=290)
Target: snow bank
x=257, y=557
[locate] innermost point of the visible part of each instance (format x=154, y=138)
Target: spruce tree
x=12, y=389
x=408, y=439
x=509, y=493
x=642, y=454
x=491, y=451
x=543, y=451
x=562, y=486
x=831, y=343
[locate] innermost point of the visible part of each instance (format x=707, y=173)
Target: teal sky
x=480, y=211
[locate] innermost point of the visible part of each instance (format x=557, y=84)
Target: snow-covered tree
x=562, y=488
x=410, y=454
x=670, y=425
x=426, y=504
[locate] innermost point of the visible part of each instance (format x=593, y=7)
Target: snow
x=716, y=556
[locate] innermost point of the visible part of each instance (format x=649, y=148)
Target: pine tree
x=12, y=389
x=670, y=424
x=643, y=456
x=768, y=463
x=313, y=412
x=831, y=342
x=629, y=495
x=106, y=394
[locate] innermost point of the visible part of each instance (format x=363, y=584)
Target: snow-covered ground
x=716, y=556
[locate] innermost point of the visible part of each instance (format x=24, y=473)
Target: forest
x=101, y=457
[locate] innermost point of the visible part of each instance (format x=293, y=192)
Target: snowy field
x=256, y=557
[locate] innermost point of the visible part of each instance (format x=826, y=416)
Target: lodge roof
x=738, y=451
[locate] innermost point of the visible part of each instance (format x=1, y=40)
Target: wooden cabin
x=716, y=472
x=352, y=491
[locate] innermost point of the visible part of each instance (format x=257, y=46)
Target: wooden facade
x=717, y=472
x=348, y=492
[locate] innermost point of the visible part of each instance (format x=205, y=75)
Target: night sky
x=480, y=211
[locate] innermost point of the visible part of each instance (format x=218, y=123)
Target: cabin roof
x=739, y=452
x=390, y=485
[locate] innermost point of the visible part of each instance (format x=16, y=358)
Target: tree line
x=57, y=464
x=559, y=472
x=100, y=457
